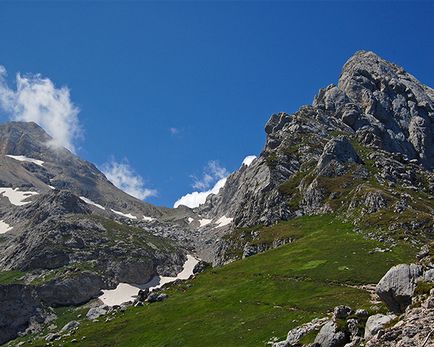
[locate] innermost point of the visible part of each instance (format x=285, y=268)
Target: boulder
x=375, y=323
x=341, y=312
x=96, y=312
x=201, y=266
x=77, y=289
x=70, y=326
x=155, y=296
x=428, y=275
x=397, y=286
x=142, y=294
x=329, y=336
x=52, y=337
x=294, y=335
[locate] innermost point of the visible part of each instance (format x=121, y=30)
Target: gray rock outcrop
x=330, y=336
x=397, y=286
x=19, y=306
x=375, y=323
x=76, y=289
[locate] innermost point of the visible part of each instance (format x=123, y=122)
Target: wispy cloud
x=122, y=175
x=195, y=199
x=36, y=99
x=174, y=131
x=212, y=172
x=213, y=178
x=213, y=175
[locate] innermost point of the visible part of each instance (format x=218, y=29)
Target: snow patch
x=4, y=227
x=24, y=158
x=15, y=196
x=90, y=202
x=204, y=222
x=190, y=220
x=148, y=219
x=127, y=292
x=129, y=215
x=248, y=160
x=222, y=221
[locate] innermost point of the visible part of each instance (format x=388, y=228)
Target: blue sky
x=212, y=72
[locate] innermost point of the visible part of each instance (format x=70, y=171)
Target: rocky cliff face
x=364, y=150
x=67, y=232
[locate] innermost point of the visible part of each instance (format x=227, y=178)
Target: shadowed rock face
x=74, y=290
x=18, y=305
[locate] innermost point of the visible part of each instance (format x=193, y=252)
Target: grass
x=247, y=302
x=424, y=287
x=10, y=277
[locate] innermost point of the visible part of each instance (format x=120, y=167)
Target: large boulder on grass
x=397, y=286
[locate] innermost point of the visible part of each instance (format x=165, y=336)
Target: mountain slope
x=61, y=169
x=343, y=189
x=363, y=150
x=66, y=232
x=249, y=301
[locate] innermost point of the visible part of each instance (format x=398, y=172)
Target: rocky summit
x=328, y=234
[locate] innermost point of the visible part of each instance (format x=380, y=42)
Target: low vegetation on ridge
x=248, y=301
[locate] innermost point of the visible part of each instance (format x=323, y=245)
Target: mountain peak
x=23, y=138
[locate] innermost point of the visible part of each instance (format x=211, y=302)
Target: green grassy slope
x=249, y=301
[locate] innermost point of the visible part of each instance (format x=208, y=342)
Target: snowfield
x=248, y=160
x=4, y=227
x=127, y=292
x=15, y=196
x=90, y=202
x=23, y=158
x=129, y=215
x=204, y=222
x=222, y=221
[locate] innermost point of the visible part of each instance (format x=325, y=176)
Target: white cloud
x=36, y=99
x=124, y=177
x=213, y=172
x=195, y=199
x=248, y=160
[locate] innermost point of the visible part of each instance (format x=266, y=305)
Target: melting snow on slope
x=16, y=196
x=148, y=219
x=23, y=158
x=129, y=215
x=90, y=202
x=248, y=160
x=126, y=292
x=4, y=227
x=204, y=222
x=190, y=220
x=222, y=221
